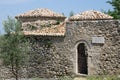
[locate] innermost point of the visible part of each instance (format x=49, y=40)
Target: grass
x=87, y=78
x=79, y=78
x=103, y=78
x=65, y=78
x=60, y=78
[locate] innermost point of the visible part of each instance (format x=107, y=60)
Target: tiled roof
x=90, y=15
x=43, y=12
x=58, y=30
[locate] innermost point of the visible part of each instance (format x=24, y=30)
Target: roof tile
x=43, y=12
x=90, y=15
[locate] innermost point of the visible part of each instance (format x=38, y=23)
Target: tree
x=71, y=13
x=116, y=9
x=13, y=46
x=63, y=14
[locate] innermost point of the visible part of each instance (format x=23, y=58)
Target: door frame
x=87, y=45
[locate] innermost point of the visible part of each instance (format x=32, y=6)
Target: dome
x=43, y=12
x=90, y=15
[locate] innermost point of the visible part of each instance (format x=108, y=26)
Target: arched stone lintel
x=88, y=47
x=87, y=44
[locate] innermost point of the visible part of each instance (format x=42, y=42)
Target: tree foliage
x=71, y=13
x=116, y=9
x=13, y=46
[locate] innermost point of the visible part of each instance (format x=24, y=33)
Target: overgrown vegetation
x=65, y=78
x=46, y=25
x=48, y=43
x=103, y=78
x=87, y=78
x=33, y=27
x=49, y=25
x=13, y=46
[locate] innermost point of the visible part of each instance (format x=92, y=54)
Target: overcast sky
x=15, y=7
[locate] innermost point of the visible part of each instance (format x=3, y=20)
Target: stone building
x=86, y=44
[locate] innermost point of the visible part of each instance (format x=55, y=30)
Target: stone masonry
x=54, y=56
x=57, y=56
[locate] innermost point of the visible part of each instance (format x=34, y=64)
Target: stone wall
x=61, y=56
x=56, y=56
x=102, y=58
x=48, y=57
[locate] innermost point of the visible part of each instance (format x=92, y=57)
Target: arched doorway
x=82, y=59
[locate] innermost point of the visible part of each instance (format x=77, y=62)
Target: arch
x=86, y=49
x=88, y=46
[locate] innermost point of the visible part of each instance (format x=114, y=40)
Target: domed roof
x=43, y=12
x=90, y=15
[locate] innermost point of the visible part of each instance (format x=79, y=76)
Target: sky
x=15, y=7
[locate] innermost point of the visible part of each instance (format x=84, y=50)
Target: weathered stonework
x=61, y=56
x=102, y=58
x=48, y=60
x=53, y=56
